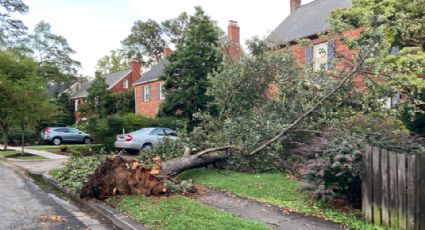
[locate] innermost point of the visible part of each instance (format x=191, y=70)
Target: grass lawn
x=57, y=148
x=8, y=152
x=12, y=152
x=179, y=212
x=273, y=188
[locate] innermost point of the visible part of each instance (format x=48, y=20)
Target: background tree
x=11, y=30
x=117, y=60
x=31, y=105
x=147, y=39
x=22, y=97
x=53, y=54
x=196, y=56
x=98, y=100
x=145, y=42
x=124, y=102
x=395, y=31
x=174, y=28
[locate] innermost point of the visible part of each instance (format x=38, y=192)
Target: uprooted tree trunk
x=120, y=176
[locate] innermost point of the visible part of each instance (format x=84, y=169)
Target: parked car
x=59, y=135
x=143, y=138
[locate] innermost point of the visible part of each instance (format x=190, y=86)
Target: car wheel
x=146, y=146
x=87, y=141
x=57, y=141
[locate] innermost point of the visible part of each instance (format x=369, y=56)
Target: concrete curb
x=116, y=217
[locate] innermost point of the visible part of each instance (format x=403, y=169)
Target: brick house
x=307, y=22
x=148, y=90
x=120, y=81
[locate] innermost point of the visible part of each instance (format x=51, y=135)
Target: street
x=25, y=206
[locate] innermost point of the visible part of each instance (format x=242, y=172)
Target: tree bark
x=177, y=165
x=23, y=138
x=5, y=130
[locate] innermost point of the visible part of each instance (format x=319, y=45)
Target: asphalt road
x=23, y=205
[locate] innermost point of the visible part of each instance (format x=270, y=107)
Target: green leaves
x=77, y=171
x=195, y=57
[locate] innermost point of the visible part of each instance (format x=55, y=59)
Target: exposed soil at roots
x=120, y=176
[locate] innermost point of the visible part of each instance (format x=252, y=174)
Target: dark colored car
x=59, y=135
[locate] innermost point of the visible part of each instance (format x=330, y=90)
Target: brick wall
x=119, y=86
x=340, y=49
x=147, y=108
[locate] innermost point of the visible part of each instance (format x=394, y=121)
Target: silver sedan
x=143, y=138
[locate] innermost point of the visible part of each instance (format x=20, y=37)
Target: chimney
x=233, y=34
x=166, y=51
x=294, y=5
x=135, y=71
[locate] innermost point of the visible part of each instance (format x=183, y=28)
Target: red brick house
x=120, y=81
x=307, y=22
x=148, y=90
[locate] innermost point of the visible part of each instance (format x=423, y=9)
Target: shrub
x=414, y=117
x=77, y=171
x=334, y=167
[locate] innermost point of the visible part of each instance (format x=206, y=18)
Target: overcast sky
x=94, y=27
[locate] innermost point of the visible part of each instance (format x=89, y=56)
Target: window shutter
x=149, y=93
x=158, y=91
x=395, y=100
x=331, y=54
x=143, y=93
x=308, y=55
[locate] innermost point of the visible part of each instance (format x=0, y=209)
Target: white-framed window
x=320, y=56
x=391, y=102
x=146, y=93
x=76, y=105
x=125, y=84
x=161, y=91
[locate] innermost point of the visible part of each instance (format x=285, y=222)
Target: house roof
x=111, y=79
x=307, y=20
x=154, y=73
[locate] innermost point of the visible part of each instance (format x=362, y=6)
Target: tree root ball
x=119, y=176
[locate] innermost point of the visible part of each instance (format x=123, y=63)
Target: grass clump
x=179, y=212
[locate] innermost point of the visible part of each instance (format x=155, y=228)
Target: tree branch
x=306, y=114
x=221, y=148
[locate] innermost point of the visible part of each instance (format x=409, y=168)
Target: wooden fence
x=394, y=189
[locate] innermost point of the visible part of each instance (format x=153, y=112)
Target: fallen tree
x=120, y=176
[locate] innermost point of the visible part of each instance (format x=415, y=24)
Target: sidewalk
x=42, y=153
x=40, y=166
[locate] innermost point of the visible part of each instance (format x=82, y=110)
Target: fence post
x=420, y=192
x=367, y=184
x=377, y=185
x=411, y=192
x=385, y=188
x=402, y=191
x=393, y=181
